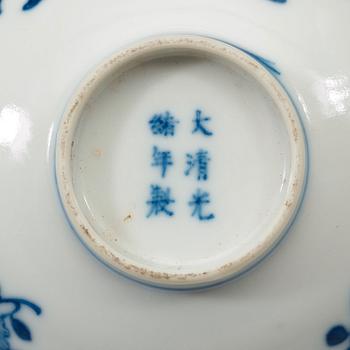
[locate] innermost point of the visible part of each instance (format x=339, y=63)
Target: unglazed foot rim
x=168, y=46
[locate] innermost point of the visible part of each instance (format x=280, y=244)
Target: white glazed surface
x=291, y=299
x=256, y=167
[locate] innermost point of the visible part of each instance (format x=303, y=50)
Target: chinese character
x=163, y=124
x=162, y=159
x=200, y=160
x=160, y=200
x=198, y=121
x=199, y=199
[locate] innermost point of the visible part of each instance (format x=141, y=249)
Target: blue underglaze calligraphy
x=160, y=201
x=199, y=200
x=200, y=122
x=198, y=161
x=163, y=124
x=163, y=159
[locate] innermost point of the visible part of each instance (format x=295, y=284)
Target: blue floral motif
x=4, y=335
x=336, y=335
x=30, y=4
x=27, y=6
x=10, y=320
x=200, y=161
x=280, y=1
x=162, y=159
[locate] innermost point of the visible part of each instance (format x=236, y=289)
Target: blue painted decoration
x=199, y=161
x=30, y=4
x=27, y=6
x=199, y=122
x=269, y=65
x=279, y=1
x=337, y=335
x=200, y=199
x=163, y=159
x=159, y=202
x=163, y=124
x=10, y=320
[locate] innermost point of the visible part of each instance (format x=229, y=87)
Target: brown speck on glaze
x=73, y=108
x=288, y=204
x=128, y=218
x=85, y=230
x=71, y=150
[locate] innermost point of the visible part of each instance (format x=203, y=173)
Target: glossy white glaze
x=291, y=299
x=256, y=167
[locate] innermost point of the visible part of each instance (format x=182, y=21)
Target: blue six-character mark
x=160, y=200
x=163, y=124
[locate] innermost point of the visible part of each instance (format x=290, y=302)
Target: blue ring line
x=225, y=278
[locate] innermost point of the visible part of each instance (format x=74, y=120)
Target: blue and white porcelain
x=218, y=201
x=152, y=153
